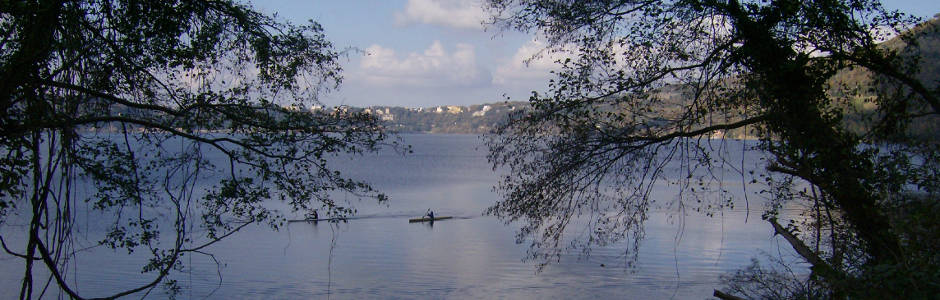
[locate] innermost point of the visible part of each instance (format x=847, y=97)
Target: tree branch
x=720, y=295
x=649, y=140
x=196, y=249
x=798, y=245
x=819, y=265
x=23, y=256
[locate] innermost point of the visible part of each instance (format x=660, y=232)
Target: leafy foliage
x=130, y=100
x=648, y=83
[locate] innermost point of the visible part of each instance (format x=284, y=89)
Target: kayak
x=426, y=219
x=318, y=220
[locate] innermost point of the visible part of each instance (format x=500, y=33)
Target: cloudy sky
x=420, y=53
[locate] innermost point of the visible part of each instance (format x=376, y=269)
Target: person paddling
x=430, y=214
x=313, y=216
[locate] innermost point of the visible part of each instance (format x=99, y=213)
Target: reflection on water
x=380, y=255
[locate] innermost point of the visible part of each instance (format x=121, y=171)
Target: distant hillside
x=927, y=50
x=854, y=81
x=856, y=87
x=475, y=119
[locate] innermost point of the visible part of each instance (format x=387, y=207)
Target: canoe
x=426, y=219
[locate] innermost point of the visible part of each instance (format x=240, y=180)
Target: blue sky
x=421, y=53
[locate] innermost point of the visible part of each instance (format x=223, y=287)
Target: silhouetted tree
x=648, y=82
x=119, y=105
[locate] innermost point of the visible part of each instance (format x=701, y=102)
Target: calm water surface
x=381, y=255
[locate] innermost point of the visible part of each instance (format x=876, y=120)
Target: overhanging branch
x=819, y=265
x=649, y=140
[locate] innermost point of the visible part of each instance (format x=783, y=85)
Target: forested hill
x=856, y=87
x=926, y=52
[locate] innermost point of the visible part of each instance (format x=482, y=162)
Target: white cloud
x=467, y=14
x=531, y=64
x=435, y=67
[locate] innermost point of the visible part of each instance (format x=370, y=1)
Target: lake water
x=381, y=255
